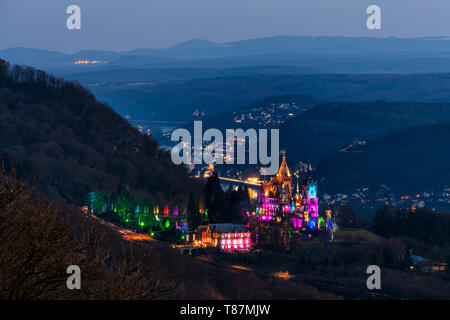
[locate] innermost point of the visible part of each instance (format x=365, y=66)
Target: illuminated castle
x=293, y=209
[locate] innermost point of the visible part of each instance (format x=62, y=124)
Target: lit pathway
x=131, y=235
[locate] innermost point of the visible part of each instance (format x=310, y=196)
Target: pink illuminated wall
x=236, y=241
x=297, y=222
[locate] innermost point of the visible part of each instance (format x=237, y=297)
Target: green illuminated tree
x=96, y=200
x=123, y=201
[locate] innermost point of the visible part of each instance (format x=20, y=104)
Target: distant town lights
x=87, y=62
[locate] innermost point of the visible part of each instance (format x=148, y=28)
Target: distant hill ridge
x=328, y=54
x=276, y=44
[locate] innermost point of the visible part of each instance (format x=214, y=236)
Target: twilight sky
x=129, y=24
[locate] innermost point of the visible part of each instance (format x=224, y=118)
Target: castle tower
x=286, y=208
x=284, y=178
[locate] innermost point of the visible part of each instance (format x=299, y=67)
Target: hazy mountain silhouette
x=338, y=53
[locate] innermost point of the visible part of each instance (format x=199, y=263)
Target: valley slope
x=56, y=130
x=410, y=161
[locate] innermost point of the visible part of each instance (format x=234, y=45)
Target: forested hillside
x=57, y=131
x=413, y=160
x=330, y=127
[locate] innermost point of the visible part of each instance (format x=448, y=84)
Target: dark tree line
x=237, y=204
x=425, y=225
x=225, y=207
x=346, y=217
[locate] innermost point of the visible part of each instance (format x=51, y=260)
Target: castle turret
x=282, y=203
